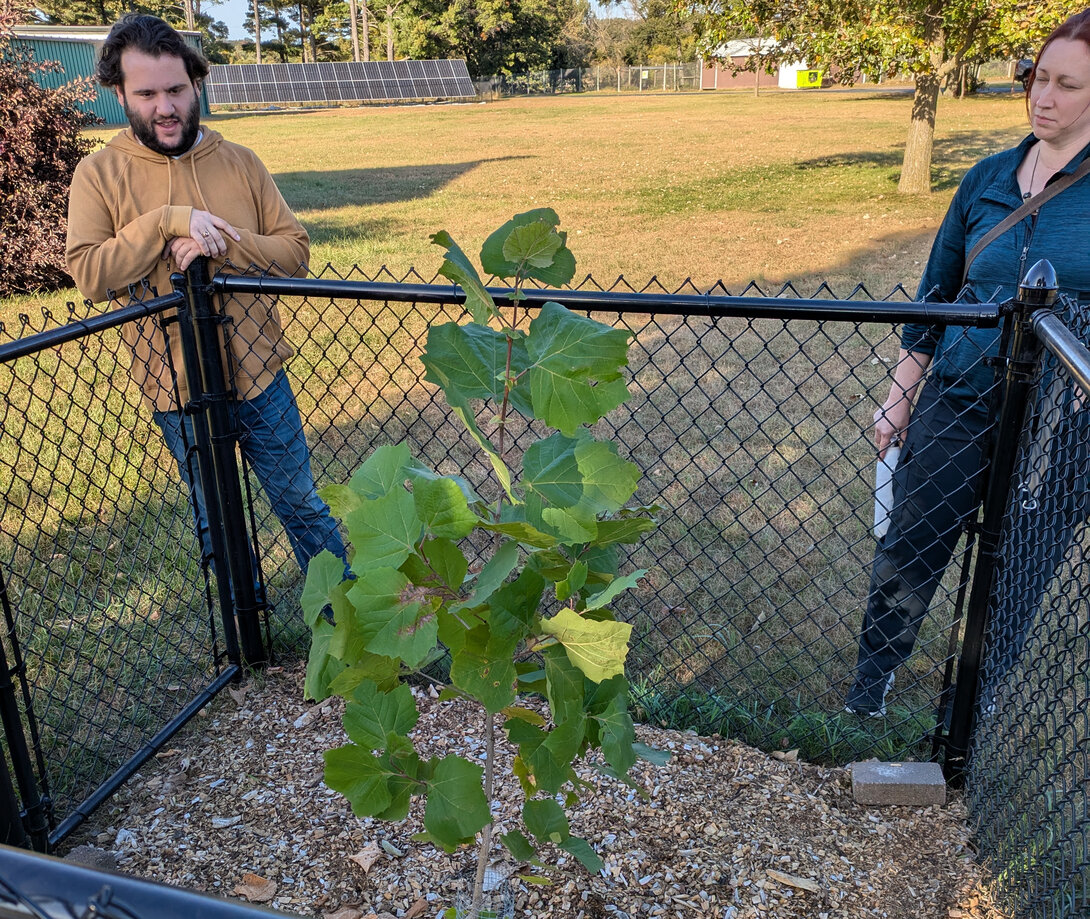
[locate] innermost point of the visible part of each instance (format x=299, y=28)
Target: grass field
x=786, y=188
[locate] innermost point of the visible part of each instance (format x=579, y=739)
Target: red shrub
x=40, y=144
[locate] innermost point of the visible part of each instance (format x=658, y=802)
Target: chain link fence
x=750, y=419
x=1028, y=779
x=670, y=78
x=108, y=619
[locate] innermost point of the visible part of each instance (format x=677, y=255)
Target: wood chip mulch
x=236, y=806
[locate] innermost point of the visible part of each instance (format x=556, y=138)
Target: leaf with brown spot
x=256, y=889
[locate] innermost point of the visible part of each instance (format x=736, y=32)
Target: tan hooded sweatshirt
x=128, y=202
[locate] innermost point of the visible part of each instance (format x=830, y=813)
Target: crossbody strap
x=1047, y=193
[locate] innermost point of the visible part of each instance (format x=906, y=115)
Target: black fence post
x=1037, y=291
x=220, y=472
x=15, y=830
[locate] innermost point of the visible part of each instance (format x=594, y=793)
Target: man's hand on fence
x=210, y=233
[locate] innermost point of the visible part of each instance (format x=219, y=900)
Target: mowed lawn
x=787, y=186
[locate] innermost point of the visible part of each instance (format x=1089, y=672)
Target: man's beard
x=145, y=130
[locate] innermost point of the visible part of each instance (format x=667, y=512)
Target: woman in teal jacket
x=936, y=486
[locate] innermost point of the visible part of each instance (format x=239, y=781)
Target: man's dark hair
x=150, y=35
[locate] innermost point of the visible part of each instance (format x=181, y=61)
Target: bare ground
x=237, y=807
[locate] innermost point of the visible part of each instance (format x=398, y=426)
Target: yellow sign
x=809, y=79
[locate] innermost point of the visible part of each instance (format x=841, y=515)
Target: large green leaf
x=514, y=607
x=325, y=572
x=442, y=506
x=514, y=247
x=384, y=531
x=370, y=714
x=447, y=560
x=381, y=670
x=598, y=649
x=519, y=846
x=484, y=669
x=358, y=775
x=322, y=667
x=392, y=618
x=384, y=470
x=564, y=686
x=470, y=362
x=550, y=468
x=625, y=530
x=571, y=528
x=538, y=752
x=617, y=732
x=523, y=532
x=342, y=499
x=493, y=574
x=460, y=270
x=581, y=849
x=575, y=372
x=616, y=586
x=608, y=480
x=546, y=819
x=456, y=808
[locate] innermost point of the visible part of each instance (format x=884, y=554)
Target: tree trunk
x=257, y=30
x=389, y=32
x=353, y=15
x=302, y=34
x=366, y=32
x=916, y=169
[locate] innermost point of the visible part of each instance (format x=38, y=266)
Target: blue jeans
x=272, y=442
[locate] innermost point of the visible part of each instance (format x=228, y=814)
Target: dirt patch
x=722, y=830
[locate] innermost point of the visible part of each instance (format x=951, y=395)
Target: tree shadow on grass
x=312, y=190
x=952, y=157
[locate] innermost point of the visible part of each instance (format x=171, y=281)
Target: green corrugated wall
x=77, y=57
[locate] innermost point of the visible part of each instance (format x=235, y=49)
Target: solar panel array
x=339, y=81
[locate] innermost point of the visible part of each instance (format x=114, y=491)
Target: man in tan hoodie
x=158, y=195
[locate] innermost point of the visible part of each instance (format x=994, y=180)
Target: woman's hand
x=891, y=420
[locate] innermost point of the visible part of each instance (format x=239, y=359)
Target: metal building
x=76, y=49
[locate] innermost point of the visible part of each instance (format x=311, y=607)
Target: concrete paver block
x=913, y=784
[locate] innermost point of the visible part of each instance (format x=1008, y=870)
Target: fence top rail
x=81, y=328
x=1062, y=342
x=658, y=303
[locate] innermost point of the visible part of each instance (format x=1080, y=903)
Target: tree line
x=492, y=36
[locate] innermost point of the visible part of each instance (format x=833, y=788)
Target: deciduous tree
x=928, y=39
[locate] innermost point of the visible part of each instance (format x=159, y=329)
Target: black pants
x=936, y=487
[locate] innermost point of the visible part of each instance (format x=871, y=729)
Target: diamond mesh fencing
x=751, y=424
x=671, y=78
x=753, y=436
x=1029, y=778
x=107, y=626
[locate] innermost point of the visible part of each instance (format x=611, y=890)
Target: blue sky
x=233, y=13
